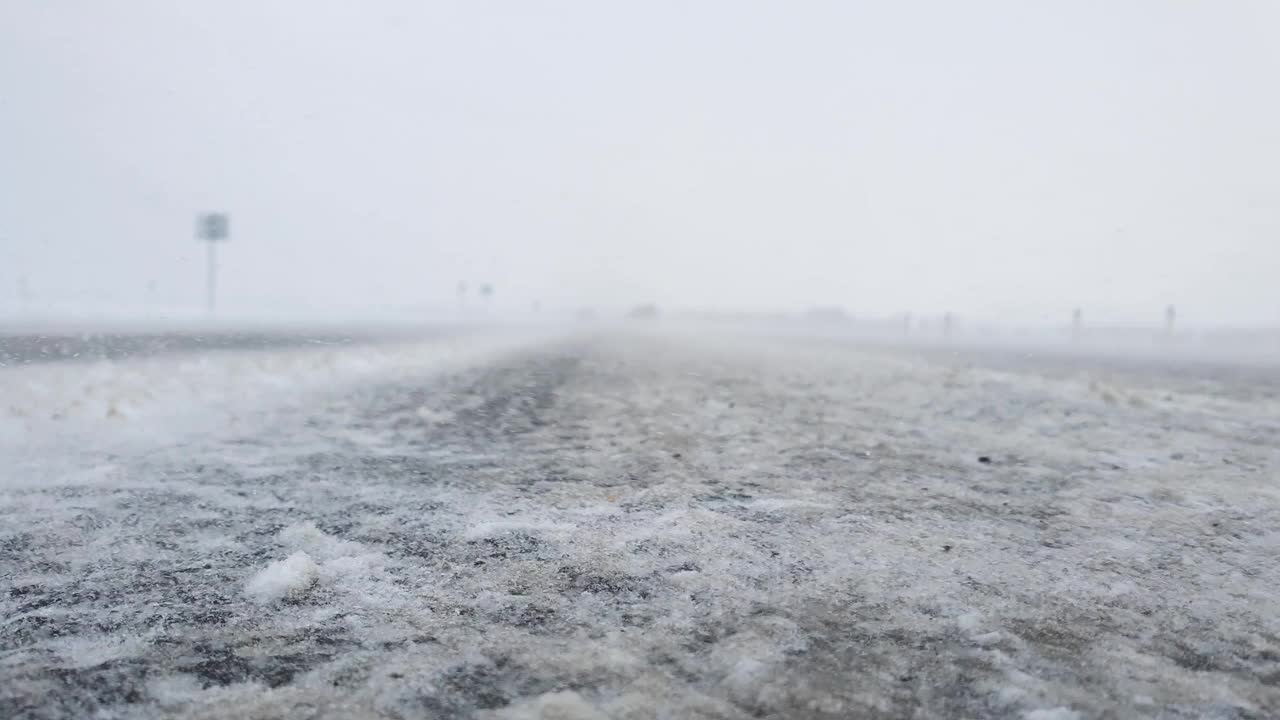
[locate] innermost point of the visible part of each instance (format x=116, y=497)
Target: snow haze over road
x=615, y=524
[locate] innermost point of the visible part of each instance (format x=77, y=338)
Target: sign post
x=212, y=228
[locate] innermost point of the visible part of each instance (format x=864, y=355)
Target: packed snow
x=648, y=526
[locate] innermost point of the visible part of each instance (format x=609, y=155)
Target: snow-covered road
x=637, y=526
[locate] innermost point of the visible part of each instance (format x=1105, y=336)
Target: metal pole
x=213, y=273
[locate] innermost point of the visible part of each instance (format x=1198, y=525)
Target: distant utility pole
x=1170, y=315
x=1077, y=324
x=212, y=228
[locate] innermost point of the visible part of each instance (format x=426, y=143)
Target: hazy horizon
x=1001, y=160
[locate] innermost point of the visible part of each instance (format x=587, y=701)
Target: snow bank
x=51, y=409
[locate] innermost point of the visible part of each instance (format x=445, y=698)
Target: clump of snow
x=990, y=638
x=289, y=578
x=356, y=575
x=745, y=680
x=307, y=537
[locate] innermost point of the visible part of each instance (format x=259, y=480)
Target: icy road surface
x=626, y=526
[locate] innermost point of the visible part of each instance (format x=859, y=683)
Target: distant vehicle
x=647, y=311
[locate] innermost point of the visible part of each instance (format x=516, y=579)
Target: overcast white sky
x=1004, y=160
